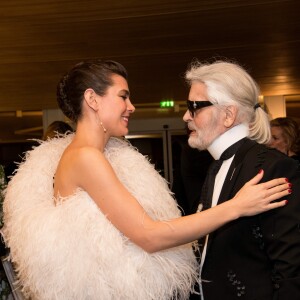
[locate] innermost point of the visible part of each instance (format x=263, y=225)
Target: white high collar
x=231, y=136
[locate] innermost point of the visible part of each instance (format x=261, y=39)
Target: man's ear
x=91, y=99
x=230, y=116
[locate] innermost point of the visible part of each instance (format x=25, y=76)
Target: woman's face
x=278, y=140
x=116, y=107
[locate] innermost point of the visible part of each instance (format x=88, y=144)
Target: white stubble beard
x=204, y=136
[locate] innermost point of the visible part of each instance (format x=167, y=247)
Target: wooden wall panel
x=154, y=39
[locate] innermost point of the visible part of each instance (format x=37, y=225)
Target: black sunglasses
x=192, y=106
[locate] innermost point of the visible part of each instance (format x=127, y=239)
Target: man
x=256, y=257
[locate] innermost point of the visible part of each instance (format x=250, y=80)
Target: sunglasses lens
x=190, y=107
x=193, y=106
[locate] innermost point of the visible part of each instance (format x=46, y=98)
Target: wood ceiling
x=154, y=39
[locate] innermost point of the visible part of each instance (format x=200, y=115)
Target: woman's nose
x=130, y=107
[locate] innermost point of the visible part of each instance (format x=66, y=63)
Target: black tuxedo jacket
x=256, y=257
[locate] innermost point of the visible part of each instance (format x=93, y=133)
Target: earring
x=99, y=122
x=104, y=129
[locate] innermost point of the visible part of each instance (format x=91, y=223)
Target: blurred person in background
x=286, y=137
x=55, y=128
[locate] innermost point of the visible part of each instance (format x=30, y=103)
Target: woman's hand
x=256, y=198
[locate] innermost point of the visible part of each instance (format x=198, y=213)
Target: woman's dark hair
x=291, y=132
x=94, y=74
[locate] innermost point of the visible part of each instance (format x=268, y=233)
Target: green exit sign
x=167, y=103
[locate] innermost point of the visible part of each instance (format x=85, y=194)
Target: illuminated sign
x=166, y=103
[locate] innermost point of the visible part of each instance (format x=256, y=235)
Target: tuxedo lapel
x=228, y=185
x=231, y=178
x=234, y=170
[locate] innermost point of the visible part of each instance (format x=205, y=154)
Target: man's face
x=206, y=123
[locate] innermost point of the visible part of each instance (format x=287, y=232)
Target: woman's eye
x=124, y=97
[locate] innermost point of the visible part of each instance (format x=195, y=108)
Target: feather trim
x=71, y=251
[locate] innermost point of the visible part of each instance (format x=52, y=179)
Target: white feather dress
x=71, y=251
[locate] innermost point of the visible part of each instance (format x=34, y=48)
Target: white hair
x=229, y=84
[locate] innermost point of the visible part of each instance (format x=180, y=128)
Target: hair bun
x=63, y=97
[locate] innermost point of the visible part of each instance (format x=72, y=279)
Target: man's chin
x=193, y=142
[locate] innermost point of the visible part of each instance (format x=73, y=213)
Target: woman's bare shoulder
x=79, y=167
x=83, y=156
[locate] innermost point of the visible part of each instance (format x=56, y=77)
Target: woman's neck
x=88, y=134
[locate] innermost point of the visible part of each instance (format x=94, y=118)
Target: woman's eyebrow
x=126, y=92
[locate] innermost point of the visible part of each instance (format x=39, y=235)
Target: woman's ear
x=91, y=99
x=230, y=116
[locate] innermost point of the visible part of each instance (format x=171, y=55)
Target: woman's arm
x=96, y=176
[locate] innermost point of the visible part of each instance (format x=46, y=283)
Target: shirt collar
x=231, y=136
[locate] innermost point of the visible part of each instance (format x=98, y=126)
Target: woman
x=286, y=137
x=111, y=230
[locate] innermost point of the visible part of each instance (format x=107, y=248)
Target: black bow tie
x=228, y=153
